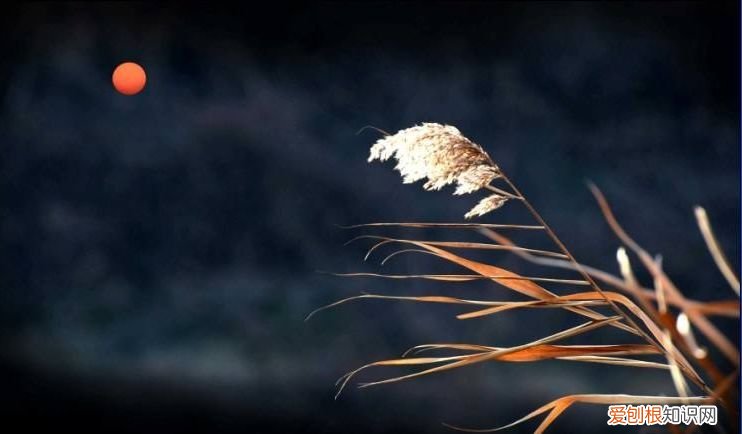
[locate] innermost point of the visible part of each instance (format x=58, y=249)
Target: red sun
x=129, y=78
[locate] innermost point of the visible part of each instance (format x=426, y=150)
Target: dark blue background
x=161, y=250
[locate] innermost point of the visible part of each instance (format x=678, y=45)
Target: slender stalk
x=502, y=192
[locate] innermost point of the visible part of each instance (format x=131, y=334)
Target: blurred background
x=162, y=250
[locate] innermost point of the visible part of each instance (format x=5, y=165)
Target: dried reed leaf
x=454, y=244
x=586, y=353
x=548, y=352
x=460, y=277
x=583, y=350
x=447, y=226
x=522, y=304
x=495, y=355
x=713, y=246
x=460, y=361
x=728, y=308
x=659, y=288
x=417, y=349
x=545, y=352
x=620, y=361
x=442, y=277
x=452, y=300
x=399, y=252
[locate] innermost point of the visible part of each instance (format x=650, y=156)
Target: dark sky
x=162, y=249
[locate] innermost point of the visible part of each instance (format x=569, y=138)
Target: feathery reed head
x=486, y=205
x=439, y=153
x=444, y=156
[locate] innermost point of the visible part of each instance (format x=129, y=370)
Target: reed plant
x=660, y=318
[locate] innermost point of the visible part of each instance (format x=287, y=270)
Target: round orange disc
x=129, y=78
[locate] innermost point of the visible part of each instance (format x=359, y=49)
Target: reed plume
x=443, y=156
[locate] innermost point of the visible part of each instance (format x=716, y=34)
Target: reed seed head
x=486, y=205
x=439, y=153
x=443, y=156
